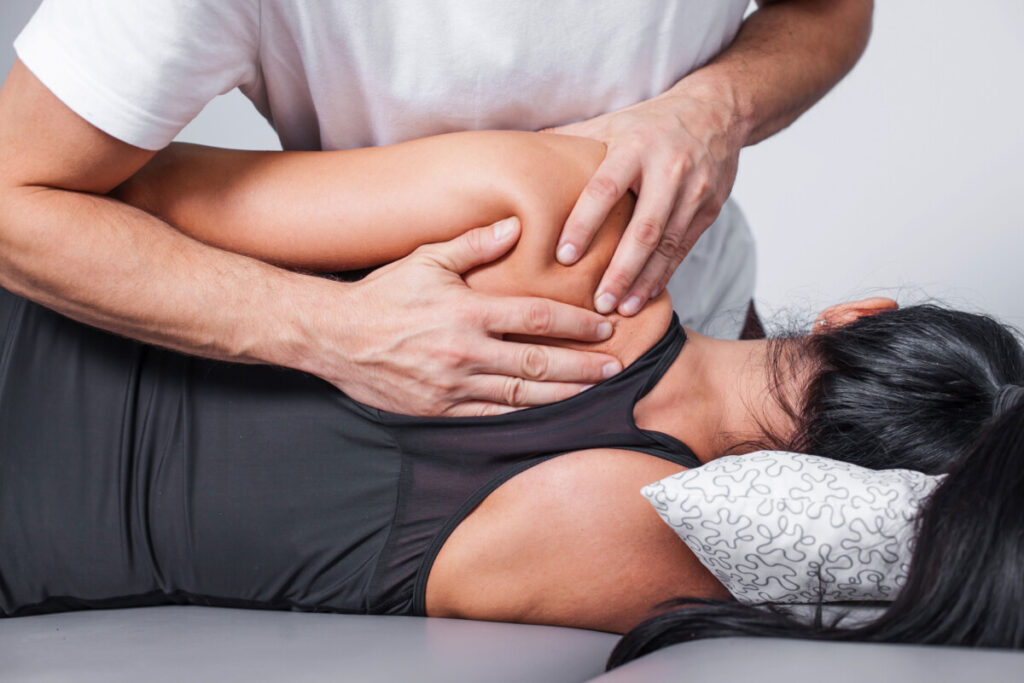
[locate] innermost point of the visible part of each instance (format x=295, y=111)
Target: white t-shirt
x=335, y=74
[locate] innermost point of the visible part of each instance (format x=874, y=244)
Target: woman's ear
x=843, y=314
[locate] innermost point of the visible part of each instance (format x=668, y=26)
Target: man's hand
x=424, y=343
x=678, y=153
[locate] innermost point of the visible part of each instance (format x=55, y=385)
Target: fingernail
x=604, y=330
x=630, y=306
x=605, y=303
x=584, y=388
x=655, y=292
x=567, y=254
x=610, y=369
x=503, y=229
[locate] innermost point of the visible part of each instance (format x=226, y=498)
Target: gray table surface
x=157, y=644
x=770, y=660
x=201, y=644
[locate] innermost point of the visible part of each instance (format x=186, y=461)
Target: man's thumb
x=478, y=246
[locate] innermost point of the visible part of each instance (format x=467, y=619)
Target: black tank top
x=131, y=475
x=452, y=464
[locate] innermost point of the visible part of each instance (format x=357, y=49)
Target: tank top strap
x=671, y=344
x=601, y=416
x=637, y=380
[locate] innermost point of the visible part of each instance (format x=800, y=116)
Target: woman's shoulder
x=549, y=173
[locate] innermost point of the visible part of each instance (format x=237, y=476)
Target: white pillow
x=787, y=527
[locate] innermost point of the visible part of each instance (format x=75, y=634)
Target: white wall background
x=906, y=180
x=909, y=177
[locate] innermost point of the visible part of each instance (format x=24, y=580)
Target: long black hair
x=924, y=388
x=908, y=388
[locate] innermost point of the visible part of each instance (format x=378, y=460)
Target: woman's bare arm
x=348, y=209
x=332, y=211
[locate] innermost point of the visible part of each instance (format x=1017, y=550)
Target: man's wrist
x=301, y=312
x=727, y=101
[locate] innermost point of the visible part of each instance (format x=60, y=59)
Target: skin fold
x=570, y=541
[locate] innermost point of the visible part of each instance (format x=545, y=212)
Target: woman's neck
x=714, y=398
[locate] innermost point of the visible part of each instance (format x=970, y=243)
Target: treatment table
x=158, y=644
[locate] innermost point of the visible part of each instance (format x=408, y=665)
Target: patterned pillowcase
x=787, y=527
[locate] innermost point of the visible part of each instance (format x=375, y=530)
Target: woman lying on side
x=131, y=475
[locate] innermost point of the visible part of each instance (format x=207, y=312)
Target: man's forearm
x=786, y=56
x=115, y=267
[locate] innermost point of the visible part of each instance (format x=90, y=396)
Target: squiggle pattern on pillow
x=794, y=528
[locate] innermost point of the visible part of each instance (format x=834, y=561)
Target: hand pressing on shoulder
x=413, y=338
x=678, y=153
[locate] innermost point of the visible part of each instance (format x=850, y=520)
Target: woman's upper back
x=570, y=542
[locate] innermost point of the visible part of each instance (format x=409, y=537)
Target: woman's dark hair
x=923, y=388
x=908, y=388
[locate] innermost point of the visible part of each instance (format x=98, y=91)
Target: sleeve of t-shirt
x=140, y=70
